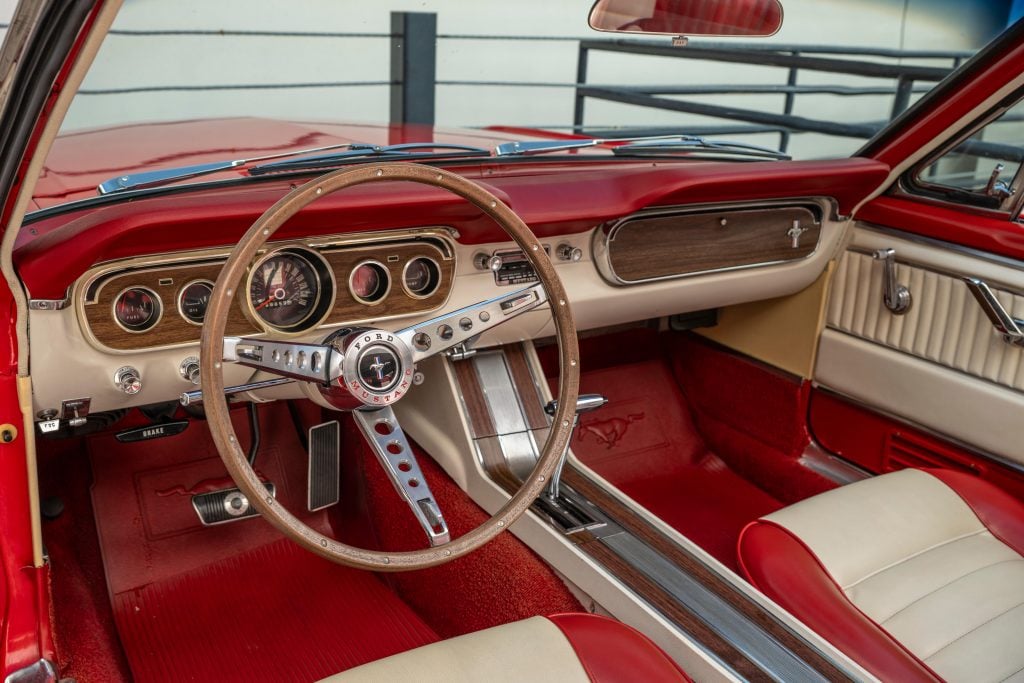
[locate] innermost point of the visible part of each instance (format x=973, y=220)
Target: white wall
x=140, y=61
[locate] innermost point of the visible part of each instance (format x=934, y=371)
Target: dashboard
x=629, y=244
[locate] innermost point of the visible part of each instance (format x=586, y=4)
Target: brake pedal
x=227, y=505
x=324, y=485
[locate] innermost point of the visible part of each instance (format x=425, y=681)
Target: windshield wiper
x=687, y=145
x=639, y=146
x=138, y=181
x=408, y=151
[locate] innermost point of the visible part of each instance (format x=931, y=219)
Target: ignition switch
x=128, y=380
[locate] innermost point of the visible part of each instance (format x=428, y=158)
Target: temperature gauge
x=137, y=309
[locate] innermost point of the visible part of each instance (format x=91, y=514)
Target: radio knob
x=189, y=369
x=128, y=380
x=484, y=262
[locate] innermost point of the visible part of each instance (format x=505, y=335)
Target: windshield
x=191, y=81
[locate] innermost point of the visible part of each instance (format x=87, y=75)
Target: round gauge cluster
x=137, y=309
x=370, y=281
x=291, y=290
x=193, y=299
x=421, y=277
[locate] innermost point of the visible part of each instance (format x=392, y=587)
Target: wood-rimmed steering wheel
x=347, y=370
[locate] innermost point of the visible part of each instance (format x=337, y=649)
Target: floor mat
x=275, y=613
x=645, y=443
x=233, y=602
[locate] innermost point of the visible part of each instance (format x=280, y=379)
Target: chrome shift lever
x=584, y=404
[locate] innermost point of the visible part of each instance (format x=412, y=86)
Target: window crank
x=895, y=296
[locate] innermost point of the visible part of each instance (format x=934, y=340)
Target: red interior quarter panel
x=882, y=444
x=54, y=251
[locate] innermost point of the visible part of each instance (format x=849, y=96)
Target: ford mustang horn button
x=378, y=368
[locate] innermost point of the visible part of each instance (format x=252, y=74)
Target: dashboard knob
x=567, y=252
x=128, y=380
x=484, y=262
x=189, y=369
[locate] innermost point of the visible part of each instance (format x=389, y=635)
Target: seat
x=564, y=648
x=918, y=575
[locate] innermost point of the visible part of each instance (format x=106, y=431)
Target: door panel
x=941, y=365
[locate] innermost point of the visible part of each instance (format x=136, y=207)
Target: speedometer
x=287, y=289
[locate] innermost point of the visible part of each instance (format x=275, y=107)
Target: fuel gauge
x=137, y=309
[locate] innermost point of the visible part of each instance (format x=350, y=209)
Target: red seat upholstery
x=571, y=648
x=611, y=651
x=944, y=609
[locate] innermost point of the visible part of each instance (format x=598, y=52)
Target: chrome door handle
x=895, y=296
x=1010, y=328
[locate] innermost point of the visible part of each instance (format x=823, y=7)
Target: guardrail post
x=904, y=87
x=581, y=79
x=790, y=101
x=413, y=67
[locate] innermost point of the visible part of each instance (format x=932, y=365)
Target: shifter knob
x=584, y=404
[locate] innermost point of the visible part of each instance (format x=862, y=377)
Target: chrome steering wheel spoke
x=451, y=329
x=382, y=431
x=320, y=363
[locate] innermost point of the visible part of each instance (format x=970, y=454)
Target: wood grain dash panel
x=173, y=329
x=651, y=247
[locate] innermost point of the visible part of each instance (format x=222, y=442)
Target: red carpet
x=276, y=613
x=645, y=442
x=501, y=582
x=238, y=603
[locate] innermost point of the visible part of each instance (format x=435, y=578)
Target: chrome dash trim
x=49, y=304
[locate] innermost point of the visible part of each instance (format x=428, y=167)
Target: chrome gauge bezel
x=325, y=295
x=431, y=290
x=384, y=270
x=181, y=294
x=156, y=298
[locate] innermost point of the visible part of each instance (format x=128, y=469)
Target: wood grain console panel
x=168, y=281
x=675, y=245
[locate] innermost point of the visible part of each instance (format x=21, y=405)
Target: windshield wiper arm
x=138, y=181
x=687, y=144
x=406, y=151
x=650, y=145
x=525, y=148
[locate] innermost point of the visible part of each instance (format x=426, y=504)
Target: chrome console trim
x=579, y=519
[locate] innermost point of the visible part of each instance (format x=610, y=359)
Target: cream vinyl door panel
x=941, y=365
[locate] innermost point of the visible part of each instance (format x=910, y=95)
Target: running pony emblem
x=608, y=432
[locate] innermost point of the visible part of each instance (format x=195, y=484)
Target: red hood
x=80, y=161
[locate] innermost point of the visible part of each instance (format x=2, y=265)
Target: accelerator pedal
x=227, y=505
x=324, y=485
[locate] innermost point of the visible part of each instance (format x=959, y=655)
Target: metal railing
x=413, y=83
x=907, y=80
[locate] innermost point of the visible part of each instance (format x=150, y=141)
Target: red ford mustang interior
x=311, y=397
